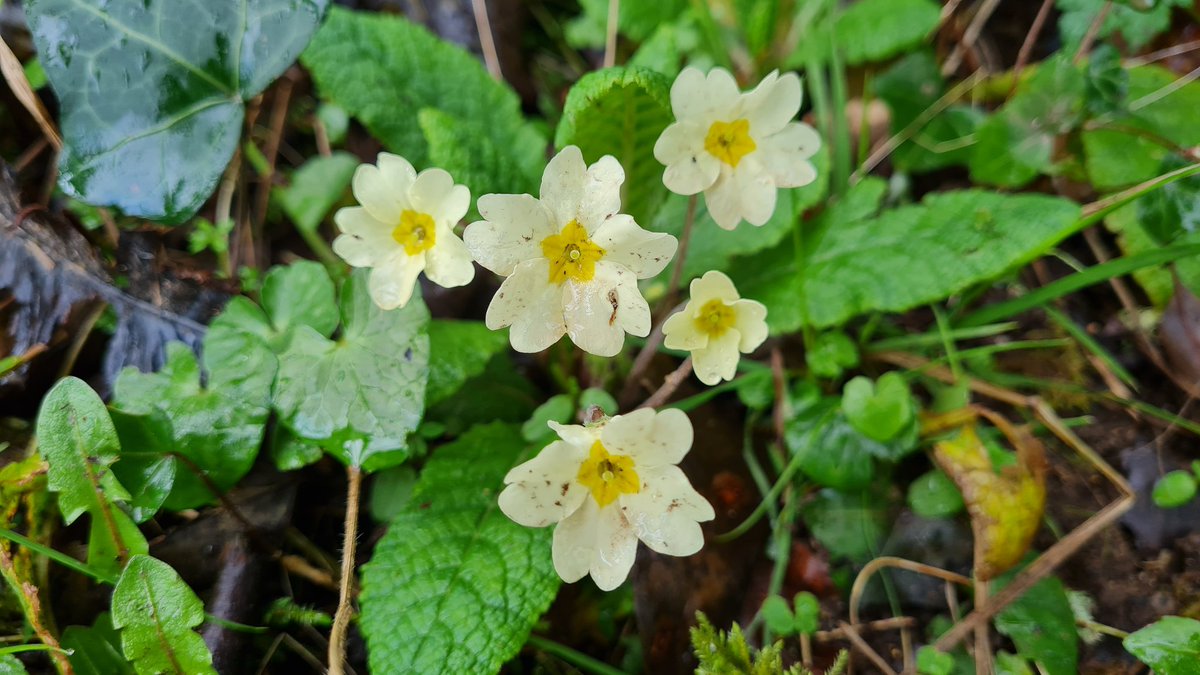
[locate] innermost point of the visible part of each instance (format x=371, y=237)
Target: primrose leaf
x=1041, y=625
x=96, y=650
x=858, y=33
x=621, y=112
x=216, y=428
x=364, y=393
x=1169, y=645
x=458, y=351
x=1005, y=506
x=175, y=77
x=156, y=612
x=385, y=70
x=859, y=263
x=1115, y=155
x=454, y=585
x=317, y=186
x=79, y=443
x=1017, y=143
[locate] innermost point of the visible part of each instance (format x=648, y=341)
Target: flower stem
x=669, y=385
x=341, y=620
x=578, y=659
x=681, y=255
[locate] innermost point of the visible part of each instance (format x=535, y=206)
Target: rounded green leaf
x=878, y=410
x=1174, y=489
x=1170, y=645
x=778, y=616
x=934, y=495
x=808, y=613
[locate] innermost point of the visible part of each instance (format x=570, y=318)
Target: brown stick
x=861, y=645
x=345, y=610
x=669, y=385
x=1031, y=37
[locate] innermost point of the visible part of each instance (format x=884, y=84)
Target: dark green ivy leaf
x=152, y=91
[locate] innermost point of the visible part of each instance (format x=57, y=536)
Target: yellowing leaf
x=1005, y=506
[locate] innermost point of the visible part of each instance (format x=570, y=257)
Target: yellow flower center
x=416, y=232
x=715, y=318
x=729, y=141
x=571, y=254
x=608, y=476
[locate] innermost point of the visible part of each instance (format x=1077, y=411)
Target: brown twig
x=866, y=650
x=31, y=606
x=14, y=74
x=487, y=43
x=894, y=623
x=610, y=33
x=969, y=36
x=301, y=568
x=1035, y=30
x=1093, y=30
x=1161, y=54
x=689, y=220
x=345, y=610
x=670, y=383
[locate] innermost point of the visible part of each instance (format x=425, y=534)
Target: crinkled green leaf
x=362, y=394
x=96, y=650
x=831, y=353
x=316, y=187
x=621, y=112
x=910, y=87
x=79, y=443
x=458, y=351
x=1041, y=625
x=1107, y=81
x=1170, y=646
x=1117, y=156
x=156, y=612
x=454, y=585
x=1016, y=144
x=862, y=263
x=384, y=70
x=218, y=427
x=867, y=31
x=152, y=93
x=673, y=44
x=712, y=248
x=1136, y=26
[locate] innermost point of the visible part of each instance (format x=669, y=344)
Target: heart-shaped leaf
x=152, y=91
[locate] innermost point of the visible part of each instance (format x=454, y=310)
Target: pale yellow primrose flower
x=736, y=147
x=571, y=259
x=405, y=224
x=607, y=486
x=715, y=325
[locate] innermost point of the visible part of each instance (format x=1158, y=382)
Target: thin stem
x=669, y=385
x=17, y=649
x=577, y=659
x=487, y=43
x=681, y=255
x=785, y=479
x=610, y=36
x=1093, y=30
x=1030, y=40
x=341, y=620
x=57, y=556
x=322, y=250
